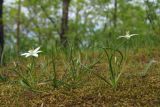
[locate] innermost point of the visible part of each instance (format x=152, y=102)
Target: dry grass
x=133, y=90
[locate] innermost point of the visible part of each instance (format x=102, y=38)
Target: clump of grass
x=26, y=78
x=115, y=66
x=26, y=74
x=115, y=62
x=55, y=81
x=77, y=68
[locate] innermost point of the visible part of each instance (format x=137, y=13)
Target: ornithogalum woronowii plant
x=115, y=61
x=127, y=36
x=126, y=39
x=33, y=54
x=28, y=80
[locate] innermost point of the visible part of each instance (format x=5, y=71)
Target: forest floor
x=133, y=89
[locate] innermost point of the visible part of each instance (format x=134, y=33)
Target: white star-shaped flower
x=127, y=36
x=33, y=53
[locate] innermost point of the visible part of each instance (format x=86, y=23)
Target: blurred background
x=82, y=23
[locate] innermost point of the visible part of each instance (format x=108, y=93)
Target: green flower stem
x=114, y=74
x=31, y=69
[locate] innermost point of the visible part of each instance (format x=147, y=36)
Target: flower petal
x=35, y=55
x=24, y=54
x=133, y=35
x=36, y=49
x=121, y=37
x=30, y=51
x=27, y=55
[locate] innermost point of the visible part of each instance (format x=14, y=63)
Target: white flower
x=127, y=36
x=32, y=53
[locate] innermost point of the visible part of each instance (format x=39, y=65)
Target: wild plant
x=27, y=79
x=116, y=60
x=77, y=68
x=55, y=81
x=126, y=40
x=73, y=68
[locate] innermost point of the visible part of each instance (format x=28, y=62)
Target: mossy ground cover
x=133, y=89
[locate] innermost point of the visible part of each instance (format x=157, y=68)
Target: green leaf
x=25, y=84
